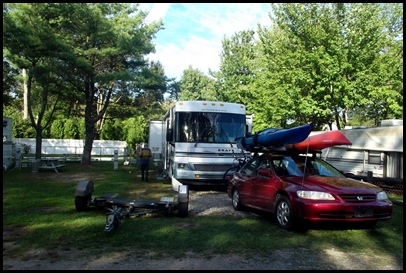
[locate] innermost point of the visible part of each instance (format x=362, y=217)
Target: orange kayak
x=321, y=141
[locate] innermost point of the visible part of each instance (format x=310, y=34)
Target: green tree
x=32, y=44
x=323, y=60
x=194, y=85
x=237, y=74
x=142, y=97
x=11, y=86
x=71, y=128
x=113, y=130
x=151, y=95
x=173, y=90
x=57, y=128
x=135, y=130
x=21, y=127
x=110, y=41
x=272, y=105
x=97, y=50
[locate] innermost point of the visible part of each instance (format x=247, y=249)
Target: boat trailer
x=118, y=209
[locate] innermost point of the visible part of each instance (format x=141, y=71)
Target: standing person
x=145, y=154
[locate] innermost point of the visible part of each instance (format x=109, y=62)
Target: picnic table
x=50, y=164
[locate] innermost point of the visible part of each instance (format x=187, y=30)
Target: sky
x=193, y=32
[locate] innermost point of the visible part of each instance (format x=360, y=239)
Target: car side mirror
x=264, y=172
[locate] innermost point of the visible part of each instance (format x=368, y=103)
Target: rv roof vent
x=391, y=122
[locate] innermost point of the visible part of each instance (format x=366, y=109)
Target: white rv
x=377, y=149
x=199, y=140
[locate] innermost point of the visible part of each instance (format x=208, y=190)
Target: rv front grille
x=213, y=168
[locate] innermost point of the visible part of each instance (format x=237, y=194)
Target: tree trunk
x=38, y=143
x=87, y=149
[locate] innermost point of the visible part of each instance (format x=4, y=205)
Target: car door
x=264, y=186
x=245, y=177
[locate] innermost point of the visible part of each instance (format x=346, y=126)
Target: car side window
x=291, y=167
x=263, y=165
x=279, y=167
x=251, y=167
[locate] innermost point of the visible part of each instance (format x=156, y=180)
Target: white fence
x=68, y=147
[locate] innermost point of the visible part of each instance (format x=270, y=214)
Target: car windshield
x=299, y=165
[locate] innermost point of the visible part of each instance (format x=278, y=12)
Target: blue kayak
x=273, y=137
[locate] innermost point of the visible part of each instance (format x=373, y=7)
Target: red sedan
x=298, y=188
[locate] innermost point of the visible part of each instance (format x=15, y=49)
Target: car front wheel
x=284, y=213
x=236, y=200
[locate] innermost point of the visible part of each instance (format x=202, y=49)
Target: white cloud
x=157, y=12
x=194, y=32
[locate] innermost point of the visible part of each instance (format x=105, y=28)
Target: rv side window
x=374, y=158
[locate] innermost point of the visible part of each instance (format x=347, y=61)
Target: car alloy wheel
x=283, y=213
x=236, y=200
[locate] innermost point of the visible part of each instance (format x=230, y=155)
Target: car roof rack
x=279, y=150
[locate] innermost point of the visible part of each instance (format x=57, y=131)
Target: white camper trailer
x=199, y=140
x=156, y=139
x=378, y=150
x=8, y=146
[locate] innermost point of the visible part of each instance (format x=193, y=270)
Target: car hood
x=334, y=183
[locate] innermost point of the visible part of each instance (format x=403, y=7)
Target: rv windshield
x=209, y=127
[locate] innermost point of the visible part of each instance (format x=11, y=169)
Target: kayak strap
x=255, y=139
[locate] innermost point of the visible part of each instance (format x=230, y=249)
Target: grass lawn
x=39, y=208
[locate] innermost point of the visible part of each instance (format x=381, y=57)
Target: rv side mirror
x=169, y=135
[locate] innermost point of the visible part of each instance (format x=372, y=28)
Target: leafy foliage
x=86, y=75
x=57, y=128
x=237, y=71
x=94, y=52
x=320, y=63
x=194, y=85
x=21, y=127
x=136, y=130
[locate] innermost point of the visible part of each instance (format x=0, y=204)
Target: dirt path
x=126, y=260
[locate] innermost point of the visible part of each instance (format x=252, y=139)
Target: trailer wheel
x=183, y=209
x=82, y=202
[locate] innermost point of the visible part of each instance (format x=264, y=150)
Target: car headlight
x=315, y=195
x=382, y=196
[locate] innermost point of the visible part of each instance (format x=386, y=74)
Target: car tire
x=283, y=213
x=235, y=200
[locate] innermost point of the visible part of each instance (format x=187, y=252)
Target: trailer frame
x=118, y=209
